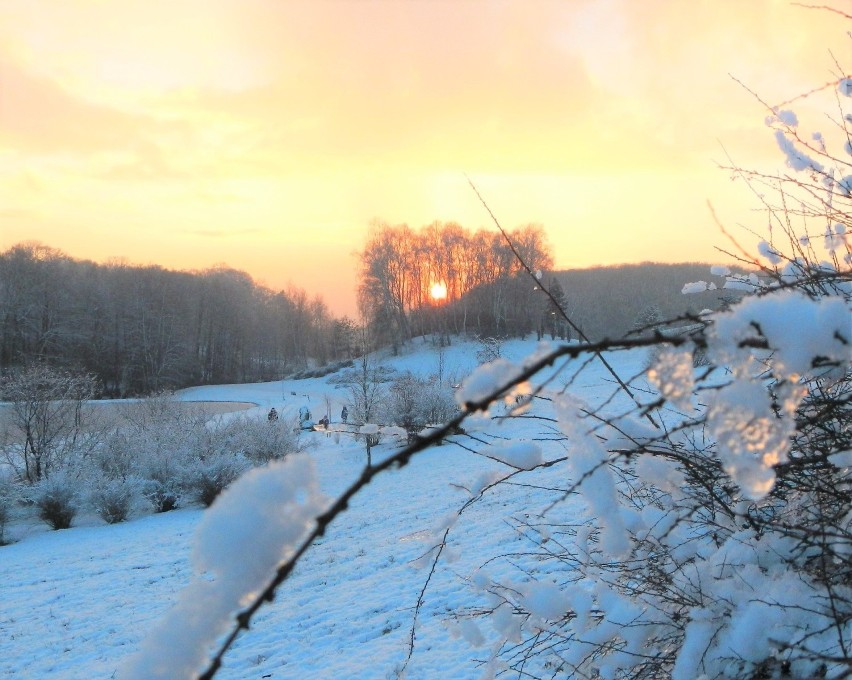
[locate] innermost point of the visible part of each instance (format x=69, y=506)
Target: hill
x=78, y=602
x=609, y=301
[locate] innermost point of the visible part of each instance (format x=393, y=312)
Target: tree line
x=483, y=287
x=142, y=329
x=488, y=293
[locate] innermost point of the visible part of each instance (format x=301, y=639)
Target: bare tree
x=47, y=419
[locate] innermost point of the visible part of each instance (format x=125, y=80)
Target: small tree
x=553, y=321
x=366, y=390
x=490, y=349
x=46, y=409
x=113, y=498
x=403, y=404
x=649, y=319
x=367, y=394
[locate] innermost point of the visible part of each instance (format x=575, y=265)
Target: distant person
x=273, y=415
x=344, y=414
x=324, y=421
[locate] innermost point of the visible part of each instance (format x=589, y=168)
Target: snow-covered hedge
x=155, y=457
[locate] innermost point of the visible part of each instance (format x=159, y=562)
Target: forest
x=143, y=329
x=486, y=291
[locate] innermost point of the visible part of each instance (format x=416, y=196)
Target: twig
x=555, y=302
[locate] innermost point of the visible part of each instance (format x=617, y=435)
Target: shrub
x=490, y=349
x=4, y=518
x=159, y=471
x=209, y=477
x=161, y=444
x=403, y=407
x=161, y=488
x=259, y=441
x=56, y=500
x=415, y=403
x=118, y=456
x=716, y=535
x=114, y=499
x=9, y=495
x=438, y=402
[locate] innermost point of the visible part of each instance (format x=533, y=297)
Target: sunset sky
x=267, y=135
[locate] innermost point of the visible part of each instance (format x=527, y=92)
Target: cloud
x=38, y=115
x=45, y=123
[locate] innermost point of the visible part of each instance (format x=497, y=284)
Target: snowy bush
x=413, y=403
x=260, y=441
x=117, y=457
x=718, y=521
x=9, y=496
x=56, y=499
x=402, y=406
x=438, y=402
x=490, y=349
x=109, y=474
x=182, y=455
x=218, y=453
x=715, y=542
x=162, y=441
x=114, y=498
x=206, y=478
x=161, y=483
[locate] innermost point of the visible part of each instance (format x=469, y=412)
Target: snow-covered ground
x=76, y=603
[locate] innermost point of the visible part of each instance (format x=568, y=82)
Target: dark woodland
x=142, y=329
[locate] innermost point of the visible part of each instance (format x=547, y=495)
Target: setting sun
x=439, y=291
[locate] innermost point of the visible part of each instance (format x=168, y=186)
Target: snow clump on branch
x=251, y=528
x=489, y=378
x=520, y=455
x=672, y=375
x=804, y=334
x=752, y=428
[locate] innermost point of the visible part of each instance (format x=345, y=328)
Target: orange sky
x=267, y=134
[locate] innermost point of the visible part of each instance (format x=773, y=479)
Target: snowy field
x=77, y=602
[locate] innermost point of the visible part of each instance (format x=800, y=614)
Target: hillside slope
x=78, y=602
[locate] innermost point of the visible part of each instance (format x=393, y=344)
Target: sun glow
x=438, y=291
